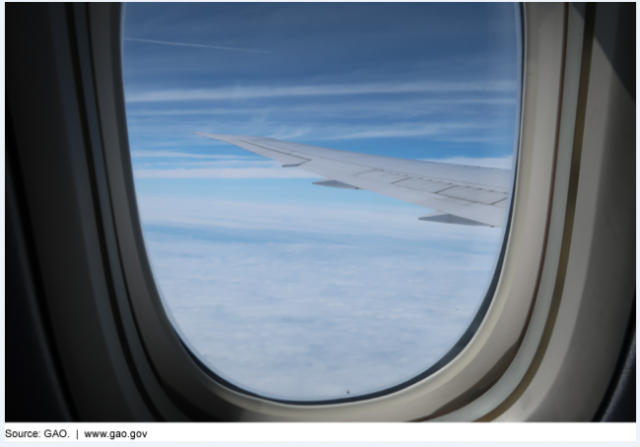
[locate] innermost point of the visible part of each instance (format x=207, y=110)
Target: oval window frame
x=466, y=376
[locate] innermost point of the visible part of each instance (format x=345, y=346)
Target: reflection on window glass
x=296, y=291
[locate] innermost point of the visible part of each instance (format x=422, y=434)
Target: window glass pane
x=295, y=291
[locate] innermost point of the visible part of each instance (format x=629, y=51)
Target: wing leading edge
x=463, y=195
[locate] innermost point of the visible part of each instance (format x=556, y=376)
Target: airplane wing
x=464, y=195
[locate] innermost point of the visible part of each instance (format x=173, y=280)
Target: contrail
x=194, y=45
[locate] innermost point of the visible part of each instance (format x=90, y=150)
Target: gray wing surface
x=467, y=195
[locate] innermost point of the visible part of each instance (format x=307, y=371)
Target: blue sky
x=289, y=289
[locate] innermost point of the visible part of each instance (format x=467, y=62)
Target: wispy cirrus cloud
x=253, y=92
x=472, y=131
x=411, y=130
x=175, y=154
x=196, y=45
x=368, y=108
x=488, y=162
x=225, y=173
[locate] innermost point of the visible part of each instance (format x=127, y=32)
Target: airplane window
x=324, y=188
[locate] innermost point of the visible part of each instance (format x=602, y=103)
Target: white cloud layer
x=300, y=315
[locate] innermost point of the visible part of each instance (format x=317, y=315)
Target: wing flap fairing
x=335, y=184
x=450, y=219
